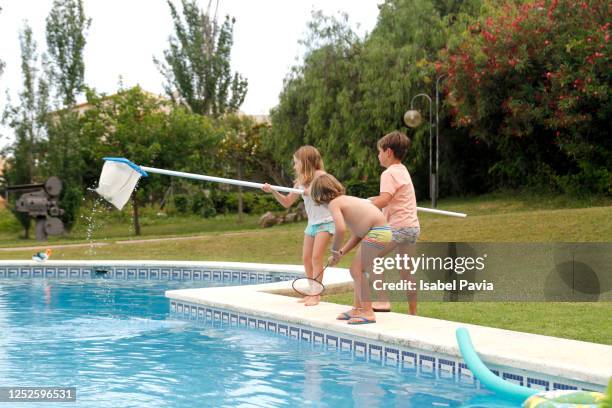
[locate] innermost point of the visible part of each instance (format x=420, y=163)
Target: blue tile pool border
x=425, y=364
x=147, y=272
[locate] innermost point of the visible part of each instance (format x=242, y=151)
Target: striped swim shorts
x=378, y=237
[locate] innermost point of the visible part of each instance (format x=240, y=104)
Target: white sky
x=126, y=34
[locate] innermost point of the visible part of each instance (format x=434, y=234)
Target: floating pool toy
x=607, y=401
x=486, y=376
x=532, y=398
x=564, y=399
x=119, y=178
x=42, y=256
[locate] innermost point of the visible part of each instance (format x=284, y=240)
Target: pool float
x=607, y=402
x=532, y=398
x=42, y=256
x=564, y=399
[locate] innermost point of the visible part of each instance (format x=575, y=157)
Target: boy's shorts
x=405, y=235
x=314, y=229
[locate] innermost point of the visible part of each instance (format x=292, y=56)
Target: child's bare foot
x=381, y=306
x=312, y=300
x=303, y=299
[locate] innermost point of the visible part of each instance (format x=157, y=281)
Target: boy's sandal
x=381, y=310
x=360, y=320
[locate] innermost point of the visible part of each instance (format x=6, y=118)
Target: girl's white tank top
x=317, y=214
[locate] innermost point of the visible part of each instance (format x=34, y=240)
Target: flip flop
x=381, y=310
x=363, y=320
x=345, y=315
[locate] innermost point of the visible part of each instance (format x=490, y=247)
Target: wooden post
x=135, y=214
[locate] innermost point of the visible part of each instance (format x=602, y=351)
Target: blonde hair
x=310, y=162
x=325, y=188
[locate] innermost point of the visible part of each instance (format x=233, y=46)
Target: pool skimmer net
x=120, y=176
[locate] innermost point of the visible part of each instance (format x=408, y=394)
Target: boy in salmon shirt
x=398, y=202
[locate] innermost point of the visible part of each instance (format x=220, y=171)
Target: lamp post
x=413, y=119
x=437, y=136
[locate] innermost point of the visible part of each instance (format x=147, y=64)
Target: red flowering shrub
x=532, y=78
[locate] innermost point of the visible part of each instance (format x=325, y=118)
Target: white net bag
x=118, y=180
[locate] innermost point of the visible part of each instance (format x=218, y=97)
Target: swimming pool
x=117, y=343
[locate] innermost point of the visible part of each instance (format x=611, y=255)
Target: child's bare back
x=370, y=230
x=360, y=215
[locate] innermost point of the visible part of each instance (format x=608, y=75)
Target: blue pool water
x=117, y=344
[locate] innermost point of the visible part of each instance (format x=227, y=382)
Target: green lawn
x=110, y=225
x=502, y=217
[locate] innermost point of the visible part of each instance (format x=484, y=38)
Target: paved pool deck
x=569, y=359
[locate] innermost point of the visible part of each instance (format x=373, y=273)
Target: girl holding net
x=308, y=164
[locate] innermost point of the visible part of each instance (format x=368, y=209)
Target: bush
x=591, y=180
x=203, y=205
x=363, y=189
x=219, y=201
x=181, y=203
x=8, y=223
x=531, y=80
x=265, y=203
x=253, y=202
x=248, y=201
x=70, y=203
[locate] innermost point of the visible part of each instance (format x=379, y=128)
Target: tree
x=67, y=152
x=66, y=26
x=1, y=62
x=190, y=141
x=151, y=131
x=239, y=149
x=539, y=116
x=349, y=92
x=197, y=64
x=532, y=80
x=190, y=144
x=309, y=111
x=27, y=119
x=128, y=124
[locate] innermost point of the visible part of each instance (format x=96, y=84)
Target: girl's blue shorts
x=314, y=229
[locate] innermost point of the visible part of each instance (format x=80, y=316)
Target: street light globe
x=412, y=118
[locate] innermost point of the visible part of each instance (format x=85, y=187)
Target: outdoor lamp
x=412, y=118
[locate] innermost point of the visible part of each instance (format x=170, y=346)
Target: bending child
x=368, y=227
x=308, y=164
